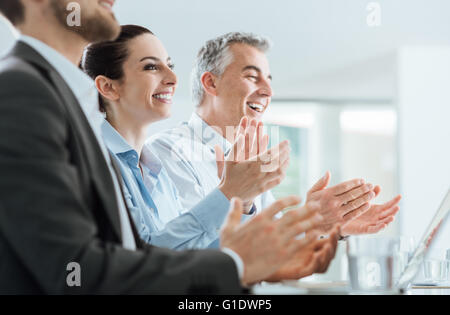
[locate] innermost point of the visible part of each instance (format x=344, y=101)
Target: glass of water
x=436, y=271
x=371, y=262
x=404, y=249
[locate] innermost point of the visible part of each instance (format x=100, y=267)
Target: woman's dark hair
x=107, y=58
x=13, y=10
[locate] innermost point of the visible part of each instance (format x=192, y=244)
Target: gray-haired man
x=232, y=79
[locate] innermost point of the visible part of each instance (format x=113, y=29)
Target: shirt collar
x=151, y=161
x=79, y=82
x=208, y=135
x=119, y=146
x=114, y=140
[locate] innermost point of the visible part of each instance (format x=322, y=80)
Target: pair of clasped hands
x=287, y=241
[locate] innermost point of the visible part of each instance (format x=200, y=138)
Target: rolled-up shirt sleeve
x=196, y=228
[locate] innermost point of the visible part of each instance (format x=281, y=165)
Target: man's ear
x=209, y=83
x=107, y=88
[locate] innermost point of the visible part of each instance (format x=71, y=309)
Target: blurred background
x=361, y=89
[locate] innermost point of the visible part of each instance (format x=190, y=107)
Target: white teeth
x=163, y=96
x=257, y=107
x=106, y=5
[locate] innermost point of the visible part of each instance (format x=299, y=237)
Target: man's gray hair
x=215, y=57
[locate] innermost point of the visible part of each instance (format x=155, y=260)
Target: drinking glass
x=371, y=262
x=436, y=271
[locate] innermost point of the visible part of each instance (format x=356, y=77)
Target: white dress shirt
x=153, y=201
x=188, y=155
x=83, y=88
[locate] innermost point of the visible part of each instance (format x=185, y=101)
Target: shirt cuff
x=237, y=260
x=252, y=210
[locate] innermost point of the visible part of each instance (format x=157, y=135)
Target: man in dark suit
x=60, y=201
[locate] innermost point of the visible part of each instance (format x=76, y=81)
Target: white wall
x=372, y=157
x=313, y=39
x=424, y=136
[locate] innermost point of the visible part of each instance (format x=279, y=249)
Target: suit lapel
x=92, y=151
x=89, y=146
x=116, y=169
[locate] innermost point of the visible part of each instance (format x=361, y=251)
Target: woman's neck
x=133, y=133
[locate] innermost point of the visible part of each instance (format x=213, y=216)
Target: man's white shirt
x=187, y=153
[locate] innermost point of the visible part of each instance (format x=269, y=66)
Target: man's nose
x=266, y=88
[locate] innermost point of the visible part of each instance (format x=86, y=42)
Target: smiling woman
x=134, y=76
x=107, y=58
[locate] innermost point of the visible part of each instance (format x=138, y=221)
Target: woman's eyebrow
x=154, y=59
x=151, y=58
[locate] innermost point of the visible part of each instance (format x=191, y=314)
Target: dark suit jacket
x=57, y=202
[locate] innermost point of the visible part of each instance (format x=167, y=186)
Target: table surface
x=429, y=291
x=332, y=288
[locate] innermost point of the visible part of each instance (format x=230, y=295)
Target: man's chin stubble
x=94, y=28
x=98, y=30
